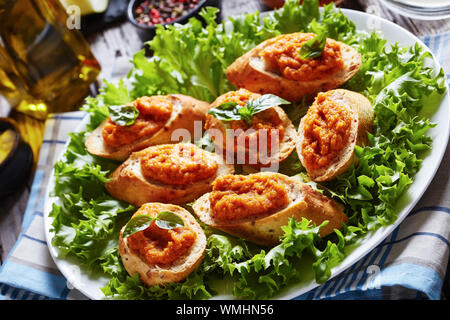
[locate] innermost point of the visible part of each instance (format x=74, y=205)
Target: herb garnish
x=123, y=115
x=233, y=111
x=164, y=220
x=314, y=47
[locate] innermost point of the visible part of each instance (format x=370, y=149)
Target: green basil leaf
x=136, y=224
x=227, y=111
x=233, y=111
x=264, y=102
x=164, y=220
x=169, y=220
x=123, y=115
x=314, y=47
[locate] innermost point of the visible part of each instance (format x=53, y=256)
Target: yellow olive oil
x=44, y=66
x=7, y=141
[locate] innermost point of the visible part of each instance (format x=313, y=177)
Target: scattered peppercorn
x=152, y=12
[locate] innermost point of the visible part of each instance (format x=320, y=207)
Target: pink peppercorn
x=152, y=12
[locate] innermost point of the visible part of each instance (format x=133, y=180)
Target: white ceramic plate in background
x=90, y=285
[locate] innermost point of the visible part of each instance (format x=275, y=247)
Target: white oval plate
x=90, y=285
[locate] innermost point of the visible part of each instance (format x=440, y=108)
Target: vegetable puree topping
x=283, y=55
x=235, y=197
x=154, y=112
x=266, y=120
x=240, y=96
x=326, y=130
x=161, y=246
x=177, y=164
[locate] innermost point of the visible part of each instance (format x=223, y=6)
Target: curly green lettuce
x=192, y=59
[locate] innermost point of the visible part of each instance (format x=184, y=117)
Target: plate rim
x=381, y=233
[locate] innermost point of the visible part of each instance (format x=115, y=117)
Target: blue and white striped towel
x=409, y=264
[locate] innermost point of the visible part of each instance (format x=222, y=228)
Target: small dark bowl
x=15, y=169
x=146, y=33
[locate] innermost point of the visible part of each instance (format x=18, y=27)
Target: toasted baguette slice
x=242, y=154
x=362, y=122
x=129, y=184
x=185, y=111
x=304, y=202
x=179, y=269
x=250, y=71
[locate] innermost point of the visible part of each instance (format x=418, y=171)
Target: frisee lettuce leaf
x=192, y=59
x=263, y=274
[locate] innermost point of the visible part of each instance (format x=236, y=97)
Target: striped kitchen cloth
x=29, y=271
x=440, y=46
x=409, y=264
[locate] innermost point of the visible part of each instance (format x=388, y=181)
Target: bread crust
x=129, y=184
x=304, y=202
x=362, y=122
x=186, y=111
x=249, y=72
x=177, y=271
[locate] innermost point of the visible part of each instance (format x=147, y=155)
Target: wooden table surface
x=123, y=41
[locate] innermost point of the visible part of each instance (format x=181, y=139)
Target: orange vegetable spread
x=161, y=246
x=283, y=55
x=326, y=130
x=240, y=96
x=154, y=111
x=265, y=123
x=235, y=197
x=266, y=120
x=177, y=164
